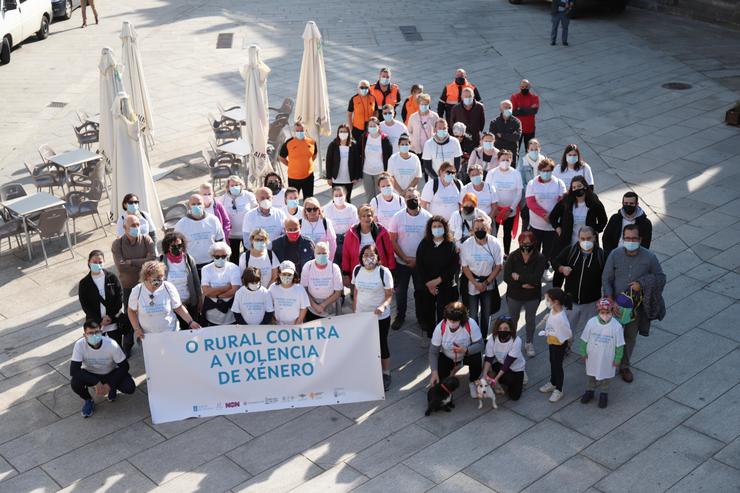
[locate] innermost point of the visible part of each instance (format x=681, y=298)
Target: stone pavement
x=675, y=428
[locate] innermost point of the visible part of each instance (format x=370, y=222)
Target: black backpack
x=380, y=273
x=435, y=184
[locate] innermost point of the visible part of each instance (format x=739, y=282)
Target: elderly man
x=385, y=92
x=201, y=230
x=508, y=130
x=472, y=113
x=298, y=154
x=634, y=271
x=359, y=110
x=525, y=106
x=265, y=216
x=130, y=252
x=452, y=94
x=440, y=149
x=293, y=245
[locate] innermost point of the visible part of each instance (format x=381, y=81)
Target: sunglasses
x=220, y=256
x=364, y=87
x=132, y=202
x=310, y=209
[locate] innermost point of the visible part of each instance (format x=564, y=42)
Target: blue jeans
x=403, y=275
x=560, y=17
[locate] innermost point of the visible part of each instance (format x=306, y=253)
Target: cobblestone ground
x=675, y=428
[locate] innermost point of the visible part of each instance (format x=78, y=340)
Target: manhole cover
x=676, y=86
x=57, y=104
x=224, y=40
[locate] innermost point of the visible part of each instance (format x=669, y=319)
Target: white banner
x=231, y=369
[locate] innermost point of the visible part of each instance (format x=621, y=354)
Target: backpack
x=300, y=223
x=435, y=184
x=247, y=254
x=380, y=273
x=467, y=327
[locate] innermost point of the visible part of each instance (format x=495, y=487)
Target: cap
x=604, y=303
x=287, y=265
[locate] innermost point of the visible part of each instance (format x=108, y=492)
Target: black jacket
x=333, y=159
x=280, y=247
x=90, y=299
x=529, y=273
x=384, y=143
x=562, y=216
x=584, y=282
x=437, y=261
x=555, y=3
x=613, y=231
x=510, y=130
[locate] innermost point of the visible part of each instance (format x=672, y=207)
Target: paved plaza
x=675, y=428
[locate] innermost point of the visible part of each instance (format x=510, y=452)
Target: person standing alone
x=560, y=12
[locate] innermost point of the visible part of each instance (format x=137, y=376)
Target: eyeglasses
x=310, y=209
x=220, y=256
x=132, y=202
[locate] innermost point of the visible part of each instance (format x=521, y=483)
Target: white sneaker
x=473, y=390
x=525, y=380
x=547, y=276
x=529, y=349
x=556, y=395
x=548, y=387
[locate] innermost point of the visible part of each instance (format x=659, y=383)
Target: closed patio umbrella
x=134, y=81
x=108, y=67
x=257, y=123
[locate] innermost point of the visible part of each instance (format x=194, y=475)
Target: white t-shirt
x=500, y=350
x=343, y=172
x=298, y=213
x=371, y=290
x=243, y=203
x=177, y=274
x=508, y=187
x=393, y=132
x=99, y=361
x=252, y=305
x=218, y=278
x=272, y=223
x=384, y=209
x=439, y=153
x=99, y=281
x=373, y=156
x=481, y=259
x=317, y=232
x=579, y=219
x=463, y=227
x=321, y=283
x=156, y=311
x=201, y=234
x=263, y=263
x=547, y=195
x=567, y=175
x=366, y=239
x=558, y=326
x=461, y=337
x=442, y=203
x=404, y=170
x=602, y=341
x=341, y=219
x=288, y=302
x=410, y=230
x=486, y=196
x=145, y=224
x=279, y=198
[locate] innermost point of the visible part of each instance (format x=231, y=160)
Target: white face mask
x=586, y=245
x=343, y=135
x=339, y=200
x=504, y=164
x=265, y=204
x=286, y=279
x=253, y=286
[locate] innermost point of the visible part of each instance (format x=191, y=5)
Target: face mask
x=412, y=204
x=387, y=117
x=259, y=246
x=265, y=204
x=605, y=316
x=467, y=101
x=363, y=92
x=631, y=246
x=447, y=178
x=235, y=191
x=533, y=155
x=292, y=203
x=548, y=303
x=384, y=81
x=438, y=232
x=372, y=130
x=207, y=199
x=286, y=278
x=322, y=258
x=219, y=262
x=586, y=245
x=253, y=286
x=94, y=339
x=339, y=200
x=504, y=165
x=196, y=210
x=526, y=248
x=387, y=191
x=480, y=234
x=459, y=80
x=571, y=159
x=423, y=108
x=156, y=282
x=176, y=250
x=134, y=231
x=441, y=134
x=370, y=262
x=132, y=208
x=506, y=113
x=343, y=135
x=525, y=91
x=404, y=148
x=96, y=268
x=488, y=146
x=274, y=187
x=300, y=135
x=629, y=209
x=476, y=180
x=293, y=235
x=453, y=326
x=504, y=336
x=467, y=209
x=546, y=175
x=579, y=192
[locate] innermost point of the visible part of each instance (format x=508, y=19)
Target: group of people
x=275, y=255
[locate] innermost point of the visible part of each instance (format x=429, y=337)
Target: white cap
x=287, y=265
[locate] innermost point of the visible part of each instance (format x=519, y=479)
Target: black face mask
x=480, y=234
x=274, y=187
x=525, y=91
x=175, y=250
x=460, y=80
x=629, y=209
x=504, y=336
x=526, y=248
x=412, y=204
x=580, y=192
x=468, y=210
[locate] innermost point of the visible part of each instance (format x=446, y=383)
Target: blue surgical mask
x=437, y=232
x=259, y=246
x=134, y=231
x=363, y=92
x=300, y=135
x=506, y=113
x=373, y=130
x=448, y=178
x=467, y=101
x=387, y=117
x=94, y=339
x=235, y=191
x=322, y=258
x=476, y=180
x=442, y=134
x=96, y=268
x=132, y=208
x=546, y=175
x=387, y=191
x=488, y=146
x=571, y=159
x=533, y=155
x=423, y=108
x=219, y=262
x=631, y=246
x=404, y=148
x=292, y=203
x=384, y=81
x=196, y=210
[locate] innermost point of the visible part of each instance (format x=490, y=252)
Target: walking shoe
x=587, y=396
x=603, y=399
x=529, y=349
x=565, y=43
x=556, y=395
x=112, y=395
x=525, y=379
x=548, y=387
x=88, y=408
x=397, y=323
x=626, y=375
x=473, y=390
x=547, y=276
x=386, y=382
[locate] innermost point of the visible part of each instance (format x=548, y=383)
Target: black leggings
x=235, y=244
x=304, y=185
x=557, y=355
x=512, y=380
x=431, y=307
x=472, y=361
x=508, y=227
x=118, y=379
x=384, y=326
x=546, y=239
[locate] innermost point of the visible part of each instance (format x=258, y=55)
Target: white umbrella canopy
x=107, y=67
x=134, y=81
x=257, y=124
x=312, y=100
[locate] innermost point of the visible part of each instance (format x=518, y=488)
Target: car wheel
x=5, y=52
x=67, y=10
x=43, y=31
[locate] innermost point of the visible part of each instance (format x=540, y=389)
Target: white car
x=21, y=19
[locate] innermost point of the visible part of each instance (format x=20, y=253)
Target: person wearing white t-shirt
x=373, y=292
x=392, y=128
x=201, y=230
x=289, y=298
x=404, y=167
x=292, y=207
x=154, y=303
x=316, y=227
x=266, y=216
x=486, y=193
x=98, y=361
x=274, y=182
x=181, y=271
x=237, y=201
x=461, y=222
x=252, y=302
x=571, y=165
x=440, y=149
x=456, y=342
x=441, y=194
x=387, y=202
x=323, y=282
x=131, y=207
x=257, y=255
x=558, y=333
x=215, y=208
x=342, y=216
x=504, y=359
x=527, y=166
x=375, y=150
x=508, y=185
x=220, y=281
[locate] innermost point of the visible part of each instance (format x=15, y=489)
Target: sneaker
x=529, y=349
x=565, y=43
x=397, y=323
x=525, y=380
x=386, y=382
x=88, y=408
x=547, y=276
x=473, y=390
x=626, y=375
x=112, y=395
x=548, y=387
x=587, y=396
x=424, y=341
x=603, y=400
x=556, y=395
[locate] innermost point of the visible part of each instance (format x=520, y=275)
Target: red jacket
x=351, y=248
x=522, y=109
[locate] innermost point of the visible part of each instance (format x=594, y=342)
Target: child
x=252, y=303
x=557, y=330
x=602, y=346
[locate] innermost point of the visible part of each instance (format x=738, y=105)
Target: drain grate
x=410, y=33
x=224, y=41
x=57, y=104
x=676, y=86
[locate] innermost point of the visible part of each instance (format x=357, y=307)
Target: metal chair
x=11, y=191
x=52, y=224
x=82, y=204
x=286, y=108
x=9, y=229
x=46, y=153
x=86, y=135
x=172, y=215
x=49, y=179
x=220, y=167
x=224, y=128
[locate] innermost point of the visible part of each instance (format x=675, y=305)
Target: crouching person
x=98, y=361
x=504, y=359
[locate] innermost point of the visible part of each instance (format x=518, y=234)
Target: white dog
x=485, y=392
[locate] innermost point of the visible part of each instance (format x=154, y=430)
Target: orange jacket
x=362, y=108
x=453, y=96
x=392, y=97
x=410, y=106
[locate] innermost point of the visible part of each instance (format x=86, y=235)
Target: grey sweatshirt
x=621, y=269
